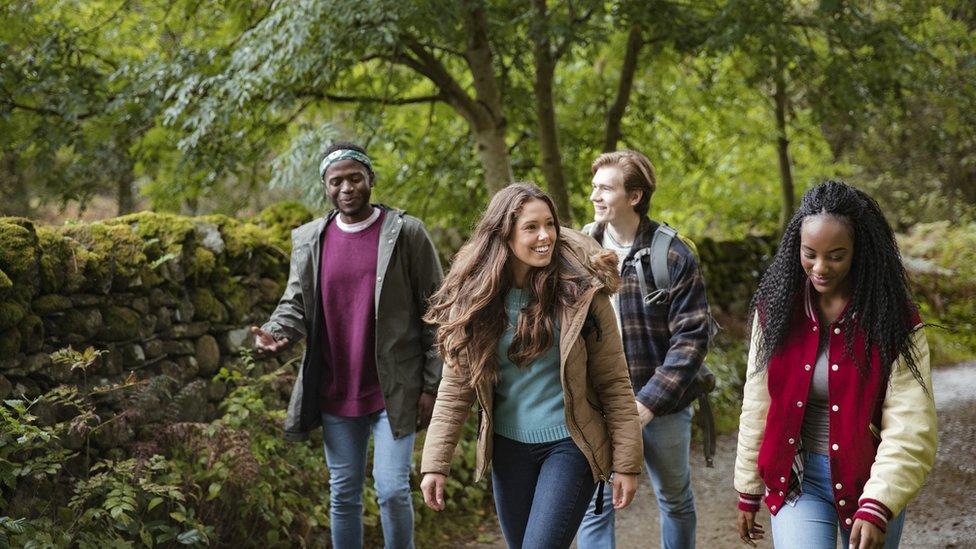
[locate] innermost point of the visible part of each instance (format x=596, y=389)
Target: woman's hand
x=865, y=535
x=749, y=529
x=624, y=488
x=432, y=487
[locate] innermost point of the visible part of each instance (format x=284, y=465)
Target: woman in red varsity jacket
x=838, y=421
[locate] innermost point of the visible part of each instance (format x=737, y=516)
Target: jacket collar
x=645, y=234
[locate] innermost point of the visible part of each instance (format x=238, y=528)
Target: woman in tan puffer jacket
x=526, y=329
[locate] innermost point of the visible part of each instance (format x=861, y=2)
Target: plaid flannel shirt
x=665, y=344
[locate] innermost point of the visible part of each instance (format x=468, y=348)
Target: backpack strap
x=658, y=252
x=660, y=244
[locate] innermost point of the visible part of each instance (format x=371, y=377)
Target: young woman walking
x=838, y=421
x=526, y=329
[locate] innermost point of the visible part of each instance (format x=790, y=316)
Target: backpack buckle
x=656, y=297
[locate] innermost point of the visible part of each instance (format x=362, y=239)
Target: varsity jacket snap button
x=842, y=503
x=772, y=508
x=847, y=521
x=835, y=447
x=836, y=330
x=835, y=367
x=792, y=441
x=835, y=407
x=782, y=479
x=814, y=328
x=799, y=404
x=781, y=494
x=807, y=367
x=838, y=486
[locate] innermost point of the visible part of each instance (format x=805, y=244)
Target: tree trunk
x=616, y=112
x=552, y=164
x=14, y=194
x=783, y=146
x=493, y=153
x=126, y=202
x=487, y=119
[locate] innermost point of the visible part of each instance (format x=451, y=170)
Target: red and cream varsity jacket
x=882, y=437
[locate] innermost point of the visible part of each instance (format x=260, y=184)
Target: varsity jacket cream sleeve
x=752, y=423
x=908, y=440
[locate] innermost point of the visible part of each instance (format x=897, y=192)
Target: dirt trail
x=942, y=516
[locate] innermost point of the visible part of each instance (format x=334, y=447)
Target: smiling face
x=826, y=254
x=348, y=187
x=532, y=240
x=609, y=196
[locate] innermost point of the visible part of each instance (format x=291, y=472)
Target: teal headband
x=343, y=154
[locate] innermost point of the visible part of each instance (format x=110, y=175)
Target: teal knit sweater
x=528, y=401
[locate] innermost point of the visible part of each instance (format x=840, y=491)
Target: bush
x=231, y=482
x=941, y=260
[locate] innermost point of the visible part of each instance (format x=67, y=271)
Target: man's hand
x=266, y=343
x=865, y=535
x=425, y=408
x=624, y=488
x=432, y=487
x=645, y=413
x=749, y=529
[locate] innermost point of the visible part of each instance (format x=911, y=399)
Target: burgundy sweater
x=350, y=384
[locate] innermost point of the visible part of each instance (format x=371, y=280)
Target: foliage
x=941, y=259
x=234, y=481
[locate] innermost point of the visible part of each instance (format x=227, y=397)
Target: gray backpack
x=657, y=254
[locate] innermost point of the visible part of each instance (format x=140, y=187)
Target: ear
x=635, y=196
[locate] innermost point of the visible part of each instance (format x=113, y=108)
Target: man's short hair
x=342, y=145
x=638, y=174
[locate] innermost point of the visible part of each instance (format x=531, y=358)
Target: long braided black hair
x=880, y=294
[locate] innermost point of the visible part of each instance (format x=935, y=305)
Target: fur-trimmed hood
x=586, y=254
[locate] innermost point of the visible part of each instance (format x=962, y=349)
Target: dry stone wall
x=169, y=298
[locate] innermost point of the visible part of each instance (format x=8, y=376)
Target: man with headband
x=357, y=290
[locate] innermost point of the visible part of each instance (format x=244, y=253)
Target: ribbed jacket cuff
x=873, y=511
x=749, y=502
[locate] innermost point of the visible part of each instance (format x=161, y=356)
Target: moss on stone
x=116, y=250
x=11, y=313
x=202, y=264
x=9, y=343
x=282, y=217
x=5, y=282
x=50, y=303
x=119, y=324
x=18, y=251
x=207, y=307
x=62, y=261
x=32, y=333
x=236, y=299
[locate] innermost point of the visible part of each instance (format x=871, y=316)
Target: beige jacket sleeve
x=752, y=423
x=454, y=400
x=908, y=434
x=607, y=365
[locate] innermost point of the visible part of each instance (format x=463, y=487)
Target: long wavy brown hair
x=469, y=308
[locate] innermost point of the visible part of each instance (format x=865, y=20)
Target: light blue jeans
x=666, y=450
x=346, y=442
x=812, y=522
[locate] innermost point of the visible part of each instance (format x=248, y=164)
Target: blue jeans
x=541, y=491
x=346, y=441
x=812, y=522
x=667, y=441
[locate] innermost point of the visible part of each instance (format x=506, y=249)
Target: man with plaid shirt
x=665, y=342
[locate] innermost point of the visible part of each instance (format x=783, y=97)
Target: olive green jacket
x=408, y=272
x=601, y=412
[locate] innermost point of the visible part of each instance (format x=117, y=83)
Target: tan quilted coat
x=601, y=414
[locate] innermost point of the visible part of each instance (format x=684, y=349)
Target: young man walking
x=357, y=290
x=665, y=341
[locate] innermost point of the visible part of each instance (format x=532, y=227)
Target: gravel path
x=942, y=516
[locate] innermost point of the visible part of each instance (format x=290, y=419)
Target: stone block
x=192, y=329
x=233, y=341
x=178, y=347
x=207, y=353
